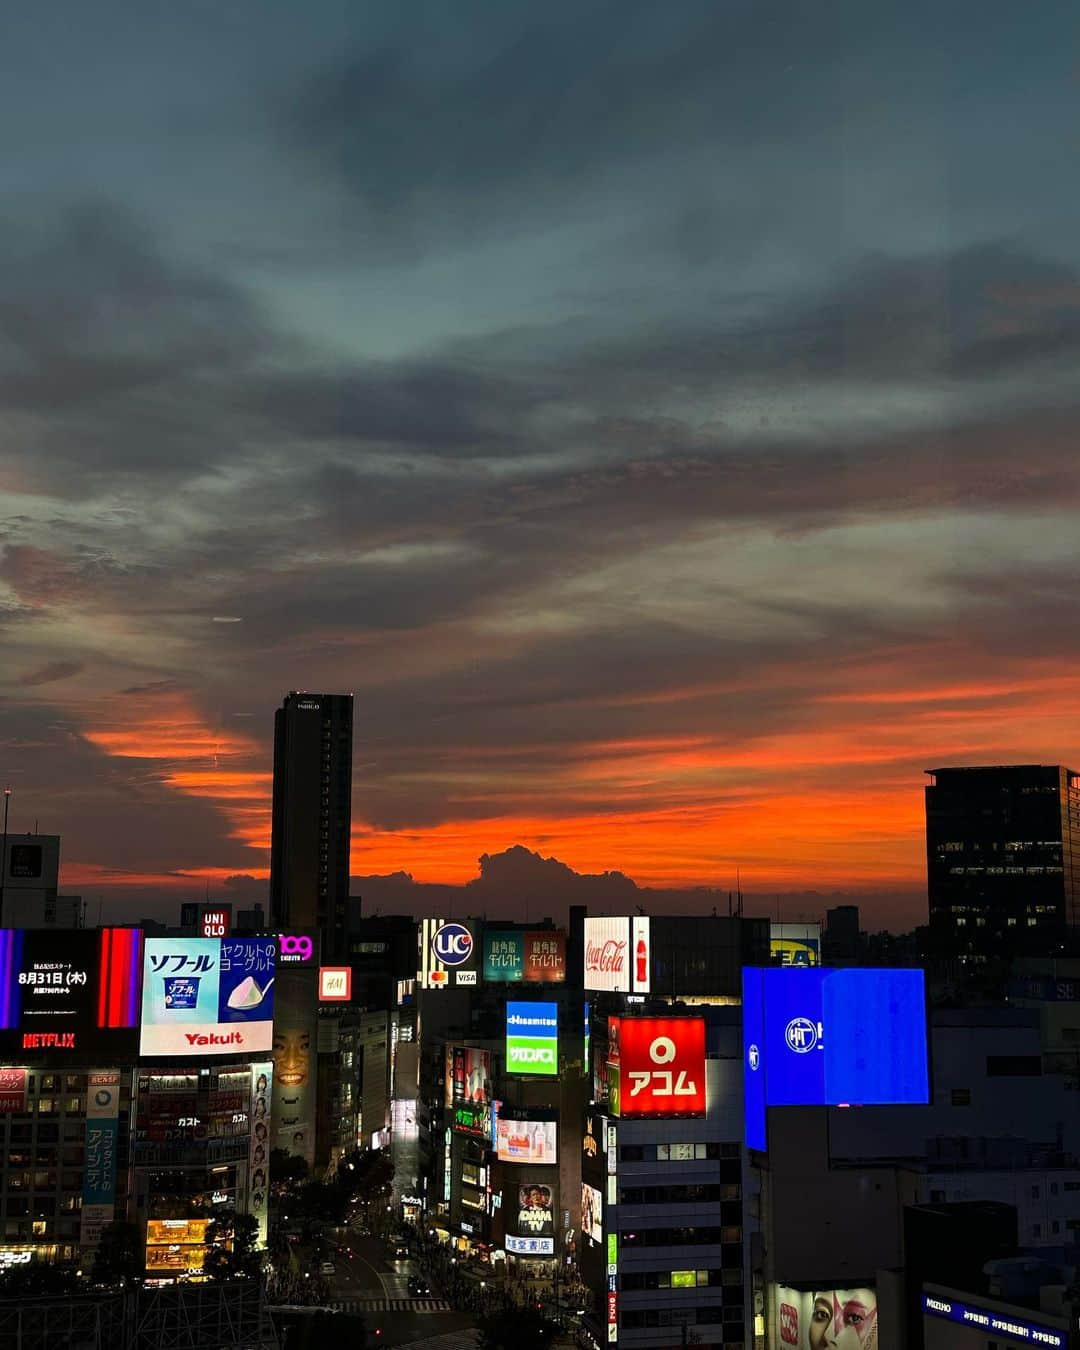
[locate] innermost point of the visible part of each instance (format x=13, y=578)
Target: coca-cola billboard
x=618, y=955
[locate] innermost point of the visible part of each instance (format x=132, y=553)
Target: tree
x=118, y=1257
x=516, y=1329
x=285, y=1170
x=231, y=1253
x=37, y=1280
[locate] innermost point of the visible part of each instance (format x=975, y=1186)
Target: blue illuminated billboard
x=816, y=1037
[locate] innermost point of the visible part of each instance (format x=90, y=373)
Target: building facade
x=312, y=815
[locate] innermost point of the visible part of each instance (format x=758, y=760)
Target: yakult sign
x=618, y=955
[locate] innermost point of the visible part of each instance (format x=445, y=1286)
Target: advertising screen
x=100, y=1158
x=468, y=1075
x=532, y=1038
x=592, y=1213
x=74, y=992
x=294, y=1077
x=262, y=1077
x=448, y=954
x=659, y=1063
x=526, y=1141
x=818, y=1037
x=607, y=955
x=535, y=1210
x=1007, y=1326
x=515, y=956
x=618, y=955
x=208, y=996
x=796, y=944
x=753, y=1019
x=335, y=984
x=811, y=1319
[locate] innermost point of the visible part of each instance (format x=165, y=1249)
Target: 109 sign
x=662, y=1066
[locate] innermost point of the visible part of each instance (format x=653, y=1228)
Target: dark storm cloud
x=51, y=672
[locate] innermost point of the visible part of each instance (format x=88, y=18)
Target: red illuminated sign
x=215, y=921
x=662, y=1066
x=612, y=1308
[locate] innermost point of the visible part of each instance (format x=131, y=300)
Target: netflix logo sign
x=618, y=955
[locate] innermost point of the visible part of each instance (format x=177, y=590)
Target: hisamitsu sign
x=532, y=1038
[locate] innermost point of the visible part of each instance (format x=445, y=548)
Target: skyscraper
x=1003, y=858
x=312, y=821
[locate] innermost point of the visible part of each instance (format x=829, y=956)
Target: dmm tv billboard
x=73, y=993
x=532, y=1038
x=208, y=996
x=818, y=1037
x=656, y=1066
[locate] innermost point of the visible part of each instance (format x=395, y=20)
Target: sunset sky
x=662, y=417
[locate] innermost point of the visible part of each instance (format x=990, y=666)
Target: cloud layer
x=663, y=420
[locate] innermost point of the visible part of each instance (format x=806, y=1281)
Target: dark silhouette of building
x=309, y=850
x=840, y=940
x=1003, y=858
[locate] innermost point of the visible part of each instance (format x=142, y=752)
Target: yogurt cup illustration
x=181, y=991
x=247, y=994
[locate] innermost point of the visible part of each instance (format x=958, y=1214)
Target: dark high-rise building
x=1003, y=858
x=309, y=849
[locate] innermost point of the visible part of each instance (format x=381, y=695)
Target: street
x=368, y=1282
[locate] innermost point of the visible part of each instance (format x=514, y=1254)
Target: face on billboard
x=526, y=1141
x=592, y=1213
x=205, y=996
x=818, y=1037
x=823, y=1318
x=661, y=1066
x=536, y=1210
x=74, y=992
x=532, y=1038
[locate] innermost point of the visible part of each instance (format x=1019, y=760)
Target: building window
x=961, y=1097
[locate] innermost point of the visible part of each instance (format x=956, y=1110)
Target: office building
x=312, y=816
x=1003, y=859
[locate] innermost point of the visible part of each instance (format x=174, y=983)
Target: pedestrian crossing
x=465, y=1339
x=381, y=1305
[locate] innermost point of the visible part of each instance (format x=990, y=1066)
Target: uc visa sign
x=448, y=954
x=656, y=1066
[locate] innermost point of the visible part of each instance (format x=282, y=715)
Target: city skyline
x=662, y=420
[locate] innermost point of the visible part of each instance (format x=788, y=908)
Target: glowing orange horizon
x=833, y=802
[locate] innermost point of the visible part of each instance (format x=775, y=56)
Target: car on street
x=419, y=1287
x=327, y=1268
x=401, y=1252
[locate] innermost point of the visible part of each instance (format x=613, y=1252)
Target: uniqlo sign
x=662, y=1066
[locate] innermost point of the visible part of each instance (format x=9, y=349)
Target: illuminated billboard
x=818, y=1037
x=70, y=991
x=618, y=955
x=208, y=996
x=467, y=1076
x=795, y=944
x=447, y=954
x=532, y=1038
x=514, y=956
x=592, y=1213
x=535, y=1210
x=656, y=1066
x=1008, y=1326
x=526, y=1141
x=335, y=984
x=810, y=1319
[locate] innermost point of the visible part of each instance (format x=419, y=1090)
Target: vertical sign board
x=99, y=1170
x=753, y=1020
x=532, y=1038
x=12, y=1091
x=262, y=1077
x=642, y=947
